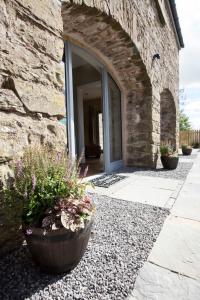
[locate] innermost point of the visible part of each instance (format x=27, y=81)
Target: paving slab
x=143, y=189
x=170, y=202
x=156, y=283
x=143, y=194
x=161, y=183
x=178, y=247
x=188, y=205
x=194, y=177
x=112, y=189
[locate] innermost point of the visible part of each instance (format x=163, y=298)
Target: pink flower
x=29, y=232
x=58, y=156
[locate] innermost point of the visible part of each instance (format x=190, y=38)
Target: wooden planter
x=186, y=151
x=169, y=162
x=58, y=251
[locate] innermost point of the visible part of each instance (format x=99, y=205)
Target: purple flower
x=33, y=183
x=19, y=168
x=58, y=156
x=29, y=231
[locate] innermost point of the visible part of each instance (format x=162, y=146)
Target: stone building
x=121, y=59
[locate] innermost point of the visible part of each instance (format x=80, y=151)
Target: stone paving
x=122, y=237
x=141, y=185
x=172, y=271
x=158, y=283
x=120, y=247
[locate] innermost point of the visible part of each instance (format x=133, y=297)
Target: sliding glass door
x=111, y=100
x=112, y=123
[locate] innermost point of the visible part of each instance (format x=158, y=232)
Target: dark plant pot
x=186, y=151
x=58, y=251
x=169, y=162
x=196, y=145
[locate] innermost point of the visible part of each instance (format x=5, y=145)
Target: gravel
x=180, y=173
x=123, y=235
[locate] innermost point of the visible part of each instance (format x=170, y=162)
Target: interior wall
x=91, y=109
x=82, y=75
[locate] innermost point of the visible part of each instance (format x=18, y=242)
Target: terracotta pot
x=186, y=151
x=169, y=162
x=58, y=251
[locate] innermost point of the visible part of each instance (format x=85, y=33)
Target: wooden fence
x=189, y=137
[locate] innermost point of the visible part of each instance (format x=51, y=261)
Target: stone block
x=155, y=283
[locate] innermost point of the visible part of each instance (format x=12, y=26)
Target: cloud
x=188, y=12
x=192, y=106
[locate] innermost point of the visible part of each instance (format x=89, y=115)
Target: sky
x=189, y=17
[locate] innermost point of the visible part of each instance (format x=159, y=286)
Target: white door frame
x=80, y=97
x=69, y=100
x=108, y=165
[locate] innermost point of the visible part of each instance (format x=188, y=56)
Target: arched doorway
x=104, y=37
x=94, y=120
x=168, y=119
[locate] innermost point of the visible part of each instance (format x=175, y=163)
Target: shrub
x=167, y=150
x=46, y=186
x=186, y=147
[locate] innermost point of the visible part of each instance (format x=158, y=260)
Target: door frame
x=69, y=100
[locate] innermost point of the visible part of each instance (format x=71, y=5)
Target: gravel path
x=180, y=173
x=122, y=238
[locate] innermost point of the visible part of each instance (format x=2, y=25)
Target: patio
x=130, y=215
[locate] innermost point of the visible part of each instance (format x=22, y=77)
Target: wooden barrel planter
x=58, y=251
x=169, y=162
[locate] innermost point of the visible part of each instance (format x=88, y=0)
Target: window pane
x=115, y=121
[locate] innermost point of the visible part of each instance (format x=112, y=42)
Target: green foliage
x=41, y=177
x=184, y=123
x=167, y=150
x=184, y=147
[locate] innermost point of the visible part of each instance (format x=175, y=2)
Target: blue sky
x=189, y=16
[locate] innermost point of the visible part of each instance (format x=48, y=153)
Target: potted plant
x=186, y=150
x=169, y=157
x=196, y=145
x=57, y=214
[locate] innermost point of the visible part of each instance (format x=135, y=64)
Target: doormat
x=107, y=180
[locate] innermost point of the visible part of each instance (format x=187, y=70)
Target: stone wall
x=124, y=35
x=31, y=84
x=167, y=119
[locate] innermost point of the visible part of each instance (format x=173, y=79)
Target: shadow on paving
x=123, y=236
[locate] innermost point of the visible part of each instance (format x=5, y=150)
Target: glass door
x=111, y=117
x=112, y=123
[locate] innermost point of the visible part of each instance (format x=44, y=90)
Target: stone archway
x=104, y=37
x=168, y=119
